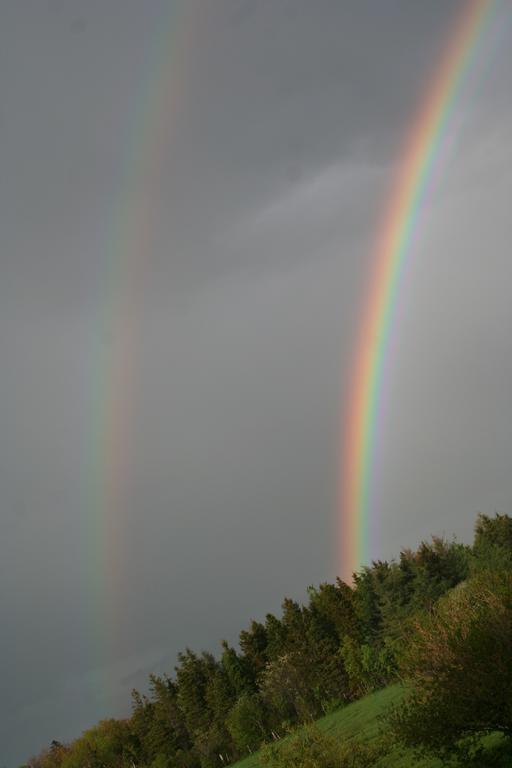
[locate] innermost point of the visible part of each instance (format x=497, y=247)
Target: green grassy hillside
x=440, y=617
x=361, y=720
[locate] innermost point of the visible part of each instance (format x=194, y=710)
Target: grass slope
x=361, y=720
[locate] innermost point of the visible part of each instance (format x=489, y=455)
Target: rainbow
x=392, y=246
x=122, y=263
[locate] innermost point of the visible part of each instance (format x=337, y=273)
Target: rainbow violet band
x=391, y=249
x=122, y=264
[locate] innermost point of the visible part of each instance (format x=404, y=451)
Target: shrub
x=311, y=748
x=459, y=663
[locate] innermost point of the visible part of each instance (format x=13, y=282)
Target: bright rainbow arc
x=391, y=249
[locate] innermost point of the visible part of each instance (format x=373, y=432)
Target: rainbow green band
x=107, y=466
x=392, y=247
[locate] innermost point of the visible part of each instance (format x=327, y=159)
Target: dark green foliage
x=459, y=663
x=253, y=643
x=192, y=676
x=437, y=566
x=368, y=667
x=107, y=744
x=441, y=614
x=157, y=723
x=367, y=600
x=303, y=681
x=492, y=549
x=239, y=671
x=247, y=723
x=276, y=637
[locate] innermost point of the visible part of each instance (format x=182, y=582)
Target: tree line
x=438, y=618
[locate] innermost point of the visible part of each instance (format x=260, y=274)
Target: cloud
x=281, y=148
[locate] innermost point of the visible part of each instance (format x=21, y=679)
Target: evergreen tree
x=238, y=671
x=253, y=643
x=334, y=605
x=247, y=723
x=193, y=675
x=276, y=637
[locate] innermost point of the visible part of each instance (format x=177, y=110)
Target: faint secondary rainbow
x=122, y=263
x=392, y=246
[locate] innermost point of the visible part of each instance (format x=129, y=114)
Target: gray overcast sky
x=286, y=122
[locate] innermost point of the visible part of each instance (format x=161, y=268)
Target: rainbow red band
x=391, y=249
x=122, y=265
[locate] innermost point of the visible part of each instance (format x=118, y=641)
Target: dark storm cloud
x=288, y=122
